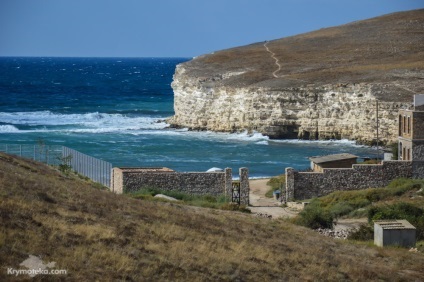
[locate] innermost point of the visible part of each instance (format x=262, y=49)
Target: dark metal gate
x=235, y=193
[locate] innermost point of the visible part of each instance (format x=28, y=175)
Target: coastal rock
x=336, y=234
x=319, y=85
x=165, y=197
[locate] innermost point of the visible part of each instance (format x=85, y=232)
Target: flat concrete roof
x=146, y=169
x=394, y=224
x=332, y=158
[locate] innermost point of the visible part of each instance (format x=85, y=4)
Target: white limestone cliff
x=345, y=111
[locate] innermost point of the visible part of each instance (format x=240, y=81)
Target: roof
x=394, y=224
x=146, y=169
x=332, y=158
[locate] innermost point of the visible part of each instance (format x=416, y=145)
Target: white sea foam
x=86, y=123
x=343, y=142
x=242, y=136
x=8, y=129
x=265, y=142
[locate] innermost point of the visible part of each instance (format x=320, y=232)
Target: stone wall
x=306, y=185
x=127, y=180
x=244, y=186
x=418, y=158
x=116, y=181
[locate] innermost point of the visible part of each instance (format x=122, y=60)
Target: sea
x=114, y=109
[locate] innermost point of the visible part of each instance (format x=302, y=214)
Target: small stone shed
x=394, y=232
x=344, y=160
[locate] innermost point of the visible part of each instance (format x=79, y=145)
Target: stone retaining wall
x=306, y=185
x=127, y=180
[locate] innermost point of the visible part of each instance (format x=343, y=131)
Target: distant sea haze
x=113, y=109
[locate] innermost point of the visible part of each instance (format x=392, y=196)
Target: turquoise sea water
x=113, y=109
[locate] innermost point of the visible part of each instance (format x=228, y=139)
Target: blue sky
x=168, y=28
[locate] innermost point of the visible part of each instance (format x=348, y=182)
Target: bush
x=276, y=183
x=402, y=185
x=340, y=209
x=314, y=216
x=363, y=233
x=395, y=150
x=406, y=211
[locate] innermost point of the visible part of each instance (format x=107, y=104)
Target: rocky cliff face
x=330, y=111
x=289, y=88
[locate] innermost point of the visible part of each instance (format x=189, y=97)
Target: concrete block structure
x=394, y=233
x=332, y=161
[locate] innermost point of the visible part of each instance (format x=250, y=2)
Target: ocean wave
x=8, y=129
x=89, y=122
x=208, y=135
x=222, y=136
x=342, y=142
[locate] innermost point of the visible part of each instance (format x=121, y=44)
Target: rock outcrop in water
x=319, y=85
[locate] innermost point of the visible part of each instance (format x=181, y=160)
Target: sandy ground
x=263, y=205
x=344, y=224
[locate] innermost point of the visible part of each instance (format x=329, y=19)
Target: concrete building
x=395, y=233
x=411, y=136
x=332, y=161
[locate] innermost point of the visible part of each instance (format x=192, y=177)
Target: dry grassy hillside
x=386, y=51
x=97, y=235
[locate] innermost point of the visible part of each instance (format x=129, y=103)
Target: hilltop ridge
x=322, y=84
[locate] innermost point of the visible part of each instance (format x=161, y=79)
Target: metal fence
x=95, y=169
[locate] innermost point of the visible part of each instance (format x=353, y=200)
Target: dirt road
x=269, y=206
x=263, y=205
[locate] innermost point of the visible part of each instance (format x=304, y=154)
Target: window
x=404, y=124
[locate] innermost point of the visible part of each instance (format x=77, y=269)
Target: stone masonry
x=127, y=180
x=306, y=185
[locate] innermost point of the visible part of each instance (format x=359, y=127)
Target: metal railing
x=96, y=169
x=93, y=168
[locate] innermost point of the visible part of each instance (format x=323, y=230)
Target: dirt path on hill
x=263, y=205
x=277, y=62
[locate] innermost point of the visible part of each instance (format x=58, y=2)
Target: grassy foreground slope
x=97, y=235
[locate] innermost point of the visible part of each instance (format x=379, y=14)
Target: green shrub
x=402, y=185
x=340, y=209
x=363, y=233
x=314, y=216
x=406, y=211
x=276, y=183
x=395, y=150
x=359, y=213
x=375, y=195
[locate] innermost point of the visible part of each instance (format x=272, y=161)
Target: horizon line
x=100, y=57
